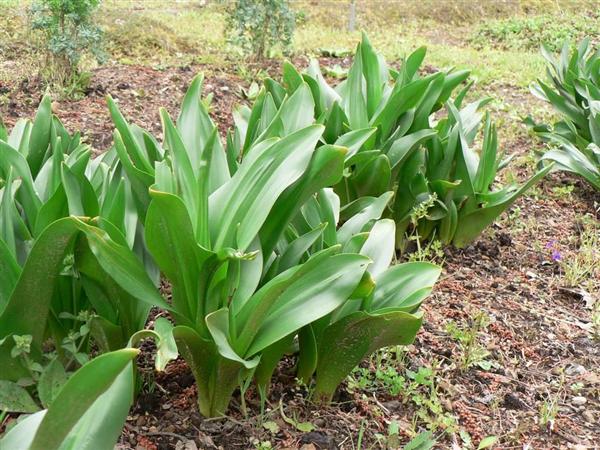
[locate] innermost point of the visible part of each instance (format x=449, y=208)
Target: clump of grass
x=584, y=265
x=160, y=35
x=528, y=33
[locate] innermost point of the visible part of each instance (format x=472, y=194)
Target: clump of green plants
x=573, y=92
x=267, y=262
x=530, y=32
x=262, y=28
x=69, y=33
x=64, y=226
x=400, y=142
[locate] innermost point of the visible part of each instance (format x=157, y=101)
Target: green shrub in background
x=69, y=34
x=528, y=33
x=260, y=28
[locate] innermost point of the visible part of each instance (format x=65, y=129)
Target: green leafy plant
x=574, y=93
x=387, y=120
x=384, y=314
x=88, y=412
x=258, y=28
x=212, y=233
x=89, y=409
x=65, y=224
x=69, y=33
x=48, y=174
x=268, y=261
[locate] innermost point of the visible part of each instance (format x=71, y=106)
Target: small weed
x=548, y=412
x=417, y=388
x=431, y=250
x=563, y=192
x=472, y=353
x=262, y=445
x=596, y=321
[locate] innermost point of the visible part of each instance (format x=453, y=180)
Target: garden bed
x=536, y=331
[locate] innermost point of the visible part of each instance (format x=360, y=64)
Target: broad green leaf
x=239, y=208
x=134, y=150
x=51, y=382
x=354, y=140
x=472, y=223
x=572, y=159
x=34, y=289
x=313, y=296
x=79, y=394
x=196, y=129
x=487, y=442
x=170, y=240
x=9, y=274
x=15, y=399
x=379, y=246
x=325, y=169
x=21, y=435
x=371, y=73
x=40, y=135
x=372, y=178
x=346, y=342
x=402, y=146
x=358, y=221
x=10, y=157
x=404, y=286
x=218, y=325
x=354, y=103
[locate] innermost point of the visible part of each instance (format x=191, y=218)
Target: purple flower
x=551, y=244
x=556, y=256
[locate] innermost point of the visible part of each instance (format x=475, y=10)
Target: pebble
x=579, y=401
x=575, y=369
x=588, y=416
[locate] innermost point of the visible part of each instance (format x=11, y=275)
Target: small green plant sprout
x=416, y=388
x=596, y=320
x=262, y=28
x=487, y=442
x=69, y=33
x=262, y=445
x=423, y=441
x=563, y=192
x=472, y=353
x=548, y=412
x=425, y=250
